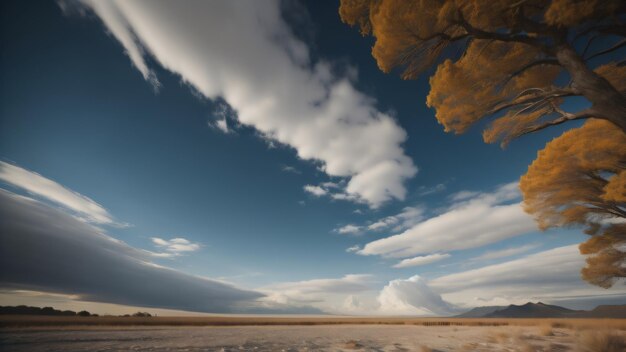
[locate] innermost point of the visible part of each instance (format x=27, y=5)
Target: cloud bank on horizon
x=246, y=54
x=45, y=249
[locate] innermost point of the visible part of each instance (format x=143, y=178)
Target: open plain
x=309, y=334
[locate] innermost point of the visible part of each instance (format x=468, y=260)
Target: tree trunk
x=609, y=103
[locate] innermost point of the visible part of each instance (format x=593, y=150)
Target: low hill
x=542, y=310
x=480, y=312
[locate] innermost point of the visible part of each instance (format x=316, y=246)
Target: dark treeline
x=26, y=310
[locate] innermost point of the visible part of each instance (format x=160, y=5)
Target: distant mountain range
x=542, y=310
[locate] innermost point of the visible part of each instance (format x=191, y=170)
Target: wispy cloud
x=321, y=293
x=425, y=191
x=266, y=75
x=221, y=114
x=176, y=245
x=291, y=169
x=539, y=276
x=421, y=260
x=353, y=249
x=483, y=219
x=507, y=252
x=408, y=217
x=42, y=187
x=349, y=229
x=315, y=190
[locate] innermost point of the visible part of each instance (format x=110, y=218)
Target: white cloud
x=424, y=191
x=315, y=190
x=222, y=112
x=405, y=219
x=221, y=125
x=412, y=297
x=325, y=294
x=546, y=275
x=507, y=252
x=463, y=195
x=472, y=223
x=353, y=249
x=422, y=260
x=39, y=186
x=291, y=169
x=176, y=245
x=245, y=53
x=348, y=229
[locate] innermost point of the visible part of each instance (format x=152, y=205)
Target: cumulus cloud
x=413, y=297
x=245, y=53
x=483, y=219
x=176, y=245
x=42, y=187
x=421, y=260
x=546, y=275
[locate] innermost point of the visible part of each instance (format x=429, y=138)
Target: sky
x=251, y=158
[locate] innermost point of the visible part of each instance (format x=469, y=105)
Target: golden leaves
x=580, y=178
x=605, y=260
x=566, y=183
x=357, y=12
x=467, y=90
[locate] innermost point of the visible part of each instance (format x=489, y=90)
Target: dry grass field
x=58, y=321
x=235, y=333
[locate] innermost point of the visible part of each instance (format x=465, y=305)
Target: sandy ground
x=290, y=338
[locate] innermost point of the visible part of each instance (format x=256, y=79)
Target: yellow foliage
x=615, y=190
x=605, y=260
x=580, y=178
x=492, y=74
x=565, y=185
x=465, y=91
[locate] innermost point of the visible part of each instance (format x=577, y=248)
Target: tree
x=580, y=179
x=517, y=62
x=514, y=55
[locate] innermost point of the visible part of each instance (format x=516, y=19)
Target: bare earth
x=543, y=336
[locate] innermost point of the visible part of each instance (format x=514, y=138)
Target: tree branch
x=517, y=38
x=529, y=66
x=557, y=93
x=565, y=117
x=617, y=45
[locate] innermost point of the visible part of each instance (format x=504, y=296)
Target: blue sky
x=219, y=155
